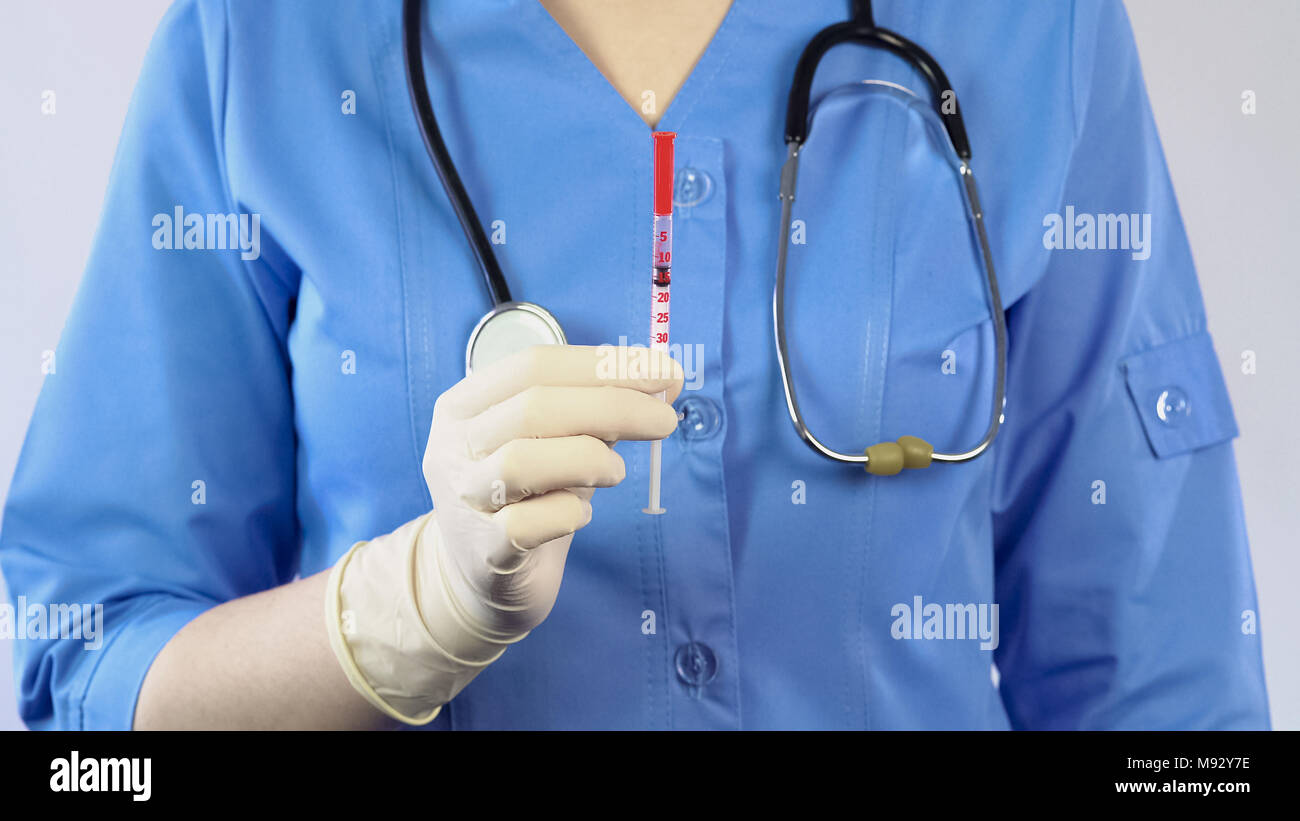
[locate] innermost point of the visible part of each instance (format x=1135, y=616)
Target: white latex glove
x=514, y=454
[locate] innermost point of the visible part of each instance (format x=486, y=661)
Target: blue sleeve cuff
x=110, y=697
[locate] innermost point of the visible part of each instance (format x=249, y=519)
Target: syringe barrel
x=663, y=245
x=659, y=315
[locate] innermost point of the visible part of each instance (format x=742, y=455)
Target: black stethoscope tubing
x=493, y=278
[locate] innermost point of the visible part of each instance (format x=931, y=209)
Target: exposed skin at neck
x=642, y=45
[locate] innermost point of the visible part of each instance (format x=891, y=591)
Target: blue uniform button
x=696, y=664
x=698, y=417
x=691, y=186
x=1172, y=406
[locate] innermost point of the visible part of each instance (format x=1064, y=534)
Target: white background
x=1237, y=178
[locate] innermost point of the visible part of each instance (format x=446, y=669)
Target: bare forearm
x=258, y=662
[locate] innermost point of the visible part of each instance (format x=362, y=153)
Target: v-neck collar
x=693, y=90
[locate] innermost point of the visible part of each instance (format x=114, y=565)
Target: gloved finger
x=584, y=493
x=638, y=369
x=531, y=467
x=547, y=412
x=539, y=519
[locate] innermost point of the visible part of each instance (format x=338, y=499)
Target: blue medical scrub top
x=781, y=589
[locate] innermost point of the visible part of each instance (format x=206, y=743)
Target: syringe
x=661, y=275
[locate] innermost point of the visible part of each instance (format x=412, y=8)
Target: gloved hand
x=515, y=452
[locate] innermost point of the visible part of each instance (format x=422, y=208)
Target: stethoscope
x=512, y=325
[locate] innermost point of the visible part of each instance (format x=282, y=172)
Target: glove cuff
x=381, y=637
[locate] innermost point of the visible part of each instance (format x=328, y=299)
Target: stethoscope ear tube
x=887, y=458
x=867, y=34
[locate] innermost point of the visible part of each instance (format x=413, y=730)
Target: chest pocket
x=887, y=313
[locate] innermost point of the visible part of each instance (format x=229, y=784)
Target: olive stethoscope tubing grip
x=442, y=163
x=884, y=458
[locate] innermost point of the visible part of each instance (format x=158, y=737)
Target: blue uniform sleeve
x=1123, y=570
x=157, y=476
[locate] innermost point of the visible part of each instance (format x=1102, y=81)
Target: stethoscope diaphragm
x=508, y=328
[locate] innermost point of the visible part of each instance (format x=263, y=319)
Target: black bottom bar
x=1055, y=771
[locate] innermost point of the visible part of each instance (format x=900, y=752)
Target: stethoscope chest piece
x=507, y=328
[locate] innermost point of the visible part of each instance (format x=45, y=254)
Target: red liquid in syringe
x=660, y=280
